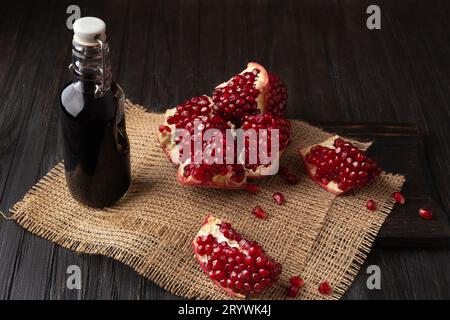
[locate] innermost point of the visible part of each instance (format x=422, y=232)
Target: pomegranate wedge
x=237, y=265
x=338, y=166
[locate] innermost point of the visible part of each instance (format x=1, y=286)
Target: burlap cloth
x=314, y=234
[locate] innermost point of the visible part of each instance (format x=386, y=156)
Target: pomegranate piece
x=425, y=213
x=292, y=291
x=325, y=288
x=399, y=198
x=238, y=266
x=338, y=166
x=296, y=281
x=279, y=198
x=371, y=205
x=259, y=212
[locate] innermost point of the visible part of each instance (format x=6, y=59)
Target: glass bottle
x=96, y=146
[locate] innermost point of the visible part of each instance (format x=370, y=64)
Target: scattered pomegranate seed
x=399, y=198
x=426, y=213
x=371, y=205
x=279, y=198
x=252, y=188
x=292, y=291
x=291, y=178
x=283, y=170
x=297, y=282
x=325, y=288
x=259, y=212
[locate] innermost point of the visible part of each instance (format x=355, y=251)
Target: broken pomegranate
x=371, y=205
x=338, y=166
x=253, y=99
x=325, y=288
x=425, y=214
x=399, y=198
x=238, y=266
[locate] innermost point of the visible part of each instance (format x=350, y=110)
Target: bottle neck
x=92, y=64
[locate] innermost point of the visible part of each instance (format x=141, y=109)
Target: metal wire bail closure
x=100, y=88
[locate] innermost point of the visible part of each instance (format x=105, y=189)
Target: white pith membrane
x=311, y=169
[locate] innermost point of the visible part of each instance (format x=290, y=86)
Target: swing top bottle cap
x=88, y=29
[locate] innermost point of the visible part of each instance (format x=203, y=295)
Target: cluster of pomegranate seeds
x=344, y=164
x=399, y=198
x=279, y=198
x=425, y=213
x=263, y=143
x=371, y=205
x=277, y=96
x=296, y=283
x=239, y=266
x=325, y=288
x=259, y=212
x=238, y=96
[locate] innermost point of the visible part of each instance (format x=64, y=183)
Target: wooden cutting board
x=400, y=149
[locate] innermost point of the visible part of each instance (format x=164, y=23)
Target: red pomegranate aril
x=234, y=266
x=399, y=198
x=252, y=188
x=371, y=205
x=296, y=281
x=291, y=178
x=325, y=288
x=259, y=212
x=278, y=197
x=292, y=291
x=425, y=213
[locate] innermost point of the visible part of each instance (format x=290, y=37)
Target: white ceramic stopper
x=87, y=29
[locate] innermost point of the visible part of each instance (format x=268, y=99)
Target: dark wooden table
x=164, y=51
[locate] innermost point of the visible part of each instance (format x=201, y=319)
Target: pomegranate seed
x=278, y=197
x=426, y=213
x=398, y=197
x=325, y=288
x=297, y=282
x=252, y=188
x=371, y=205
x=292, y=291
x=259, y=212
x=291, y=178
